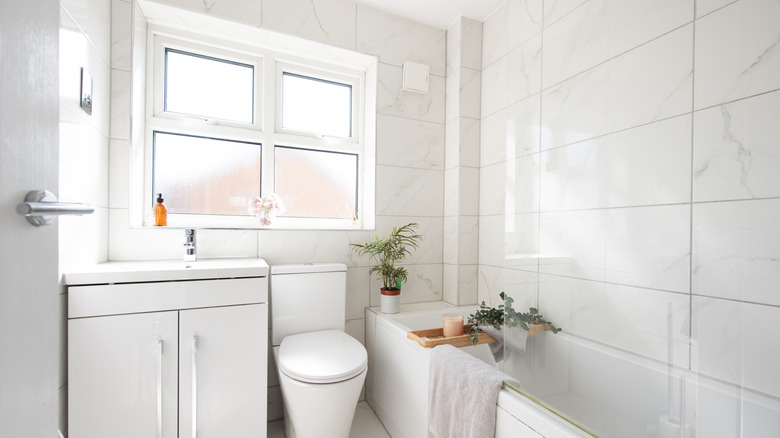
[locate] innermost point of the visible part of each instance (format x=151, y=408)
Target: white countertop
x=166, y=270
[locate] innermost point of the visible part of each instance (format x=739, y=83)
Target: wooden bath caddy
x=430, y=338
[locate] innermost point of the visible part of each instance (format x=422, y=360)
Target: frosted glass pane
x=315, y=183
x=205, y=175
x=208, y=87
x=317, y=106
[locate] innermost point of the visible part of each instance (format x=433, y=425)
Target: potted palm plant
x=384, y=254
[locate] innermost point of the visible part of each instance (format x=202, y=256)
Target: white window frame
x=269, y=65
x=314, y=141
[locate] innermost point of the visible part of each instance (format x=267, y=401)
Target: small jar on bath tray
x=452, y=325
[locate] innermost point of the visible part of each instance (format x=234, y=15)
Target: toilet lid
x=326, y=356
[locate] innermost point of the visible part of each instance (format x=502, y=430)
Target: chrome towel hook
x=40, y=207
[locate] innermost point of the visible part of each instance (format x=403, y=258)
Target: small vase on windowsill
x=265, y=221
x=266, y=208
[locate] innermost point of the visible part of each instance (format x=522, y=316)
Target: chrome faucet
x=190, y=246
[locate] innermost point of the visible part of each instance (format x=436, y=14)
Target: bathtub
x=397, y=382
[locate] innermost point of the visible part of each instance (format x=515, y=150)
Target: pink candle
x=452, y=325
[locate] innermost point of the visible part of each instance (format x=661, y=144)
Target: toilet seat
x=326, y=356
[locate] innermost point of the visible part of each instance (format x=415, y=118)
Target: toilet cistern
x=190, y=253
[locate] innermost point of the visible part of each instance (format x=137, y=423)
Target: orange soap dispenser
x=160, y=212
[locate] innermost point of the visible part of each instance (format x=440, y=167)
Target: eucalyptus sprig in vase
x=506, y=316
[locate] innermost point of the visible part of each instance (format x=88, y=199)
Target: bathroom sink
x=167, y=270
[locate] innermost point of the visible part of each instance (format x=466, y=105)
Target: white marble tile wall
x=327, y=21
x=737, y=51
x=735, y=150
x=85, y=42
x=462, y=174
x=245, y=11
x=647, y=165
x=736, y=250
x=396, y=40
x=704, y=7
x=644, y=178
x=494, y=36
x=409, y=143
x=599, y=30
x=638, y=322
x=625, y=92
x=740, y=351
x=555, y=9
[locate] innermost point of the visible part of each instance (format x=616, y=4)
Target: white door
x=223, y=376
x=122, y=376
x=30, y=314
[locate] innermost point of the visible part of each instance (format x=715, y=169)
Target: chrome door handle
x=40, y=206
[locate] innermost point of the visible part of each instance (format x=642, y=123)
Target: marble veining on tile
x=555, y=9
x=526, y=18
x=121, y=45
x=409, y=143
x=409, y=192
x=396, y=40
x=602, y=29
x=735, y=150
x=649, y=247
x=331, y=22
x=625, y=92
x=736, y=250
x=737, y=52
x=739, y=352
x=494, y=36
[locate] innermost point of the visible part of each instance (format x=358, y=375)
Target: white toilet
x=321, y=369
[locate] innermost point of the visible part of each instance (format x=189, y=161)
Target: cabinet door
x=122, y=378
x=222, y=372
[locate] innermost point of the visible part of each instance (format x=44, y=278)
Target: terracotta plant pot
x=391, y=300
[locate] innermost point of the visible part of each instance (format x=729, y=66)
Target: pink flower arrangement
x=269, y=207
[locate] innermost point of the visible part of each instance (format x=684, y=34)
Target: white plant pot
x=391, y=303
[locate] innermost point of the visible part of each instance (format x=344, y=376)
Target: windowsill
x=252, y=223
x=269, y=228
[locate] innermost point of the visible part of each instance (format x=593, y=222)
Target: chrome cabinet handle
x=194, y=387
x=39, y=207
x=159, y=387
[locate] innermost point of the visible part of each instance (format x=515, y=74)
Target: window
x=201, y=175
x=227, y=122
x=208, y=87
x=316, y=106
x=317, y=183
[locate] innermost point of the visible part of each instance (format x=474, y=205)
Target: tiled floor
x=365, y=425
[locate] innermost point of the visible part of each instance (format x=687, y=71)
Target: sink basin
x=167, y=270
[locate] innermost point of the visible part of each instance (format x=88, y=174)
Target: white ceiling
x=438, y=13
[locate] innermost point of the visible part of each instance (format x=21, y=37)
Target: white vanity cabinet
x=123, y=375
x=168, y=358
